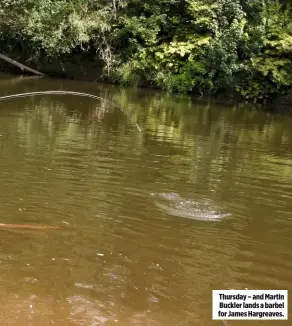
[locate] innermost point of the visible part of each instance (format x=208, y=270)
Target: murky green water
x=152, y=221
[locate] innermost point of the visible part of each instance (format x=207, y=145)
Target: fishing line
x=66, y=93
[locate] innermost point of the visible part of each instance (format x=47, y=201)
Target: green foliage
x=202, y=46
x=271, y=66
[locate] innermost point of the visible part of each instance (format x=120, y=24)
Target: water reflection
x=118, y=258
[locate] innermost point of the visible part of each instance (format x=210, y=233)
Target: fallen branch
x=20, y=65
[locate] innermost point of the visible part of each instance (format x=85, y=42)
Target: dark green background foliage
x=200, y=46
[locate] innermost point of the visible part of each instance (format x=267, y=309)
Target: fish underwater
x=200, y=209
x=28, y=226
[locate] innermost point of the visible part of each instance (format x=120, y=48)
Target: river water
x=150, y=221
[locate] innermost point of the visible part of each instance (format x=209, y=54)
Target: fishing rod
x=7, y=97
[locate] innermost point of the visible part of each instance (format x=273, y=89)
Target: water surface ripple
x=151, y=222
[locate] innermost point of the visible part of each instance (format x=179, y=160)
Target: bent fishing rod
x=7, y=97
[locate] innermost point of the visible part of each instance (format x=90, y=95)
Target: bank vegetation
x=205, y=47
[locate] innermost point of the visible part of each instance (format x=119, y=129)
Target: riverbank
x=88, y=72
x=73, y=66
x=204, y=48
